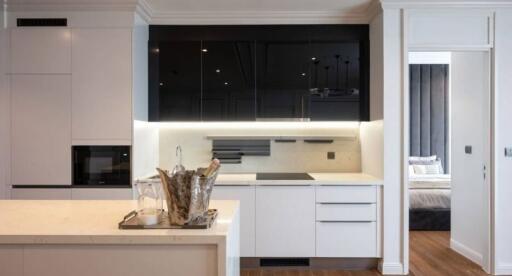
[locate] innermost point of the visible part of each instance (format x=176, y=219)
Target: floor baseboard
x=391, y=268
x=505, y=269
x=466, y=252
x=318, y=263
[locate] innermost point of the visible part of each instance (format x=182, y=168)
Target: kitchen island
x=82, y=238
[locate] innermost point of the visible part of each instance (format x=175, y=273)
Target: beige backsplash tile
x=285, y=157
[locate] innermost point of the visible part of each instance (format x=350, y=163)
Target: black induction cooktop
x=283, y=176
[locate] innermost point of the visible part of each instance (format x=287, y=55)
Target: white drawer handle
x=346, y=221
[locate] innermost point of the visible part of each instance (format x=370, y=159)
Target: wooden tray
x=131, y=221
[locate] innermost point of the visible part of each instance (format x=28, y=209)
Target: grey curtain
x=429, y=118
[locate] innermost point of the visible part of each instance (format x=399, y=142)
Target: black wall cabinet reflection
x=246, y=73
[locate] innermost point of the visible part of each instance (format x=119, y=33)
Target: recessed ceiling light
x=161, y=84
x=313, y=58
x=303, y=74
x=217, y=71
x=204, y=50
x=226, y=83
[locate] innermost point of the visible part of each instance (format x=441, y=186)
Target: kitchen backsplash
x=284, y=157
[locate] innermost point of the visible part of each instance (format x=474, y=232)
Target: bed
x=429, y=202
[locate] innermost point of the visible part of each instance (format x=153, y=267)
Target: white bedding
x=429, y=181
x=429, y=198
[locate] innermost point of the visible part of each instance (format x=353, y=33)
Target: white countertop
x=319, y=179
x=96, y=222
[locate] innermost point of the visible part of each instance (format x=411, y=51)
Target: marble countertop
x=96, y=222
x=319, y=179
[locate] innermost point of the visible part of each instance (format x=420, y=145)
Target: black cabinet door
x=335, y=81
x=179, y=80
x=228, y=81
x=282, y=81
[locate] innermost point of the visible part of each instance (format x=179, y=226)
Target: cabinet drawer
x=346, y=239
x=346, y=194
x=346, y=212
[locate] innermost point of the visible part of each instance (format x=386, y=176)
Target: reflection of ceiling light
x=217, y=71
x=226, y=83
x=157, y=50
x=205, y=50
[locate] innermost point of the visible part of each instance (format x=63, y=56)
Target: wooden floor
x=430, y=255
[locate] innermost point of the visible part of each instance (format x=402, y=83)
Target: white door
x=470, y=150
x=247, y=196
x=285, y=221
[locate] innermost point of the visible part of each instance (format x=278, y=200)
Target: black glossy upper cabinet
x=246, y=73
x=228, y=81
x=336, y=81
x=177, y=82
x=282, y=78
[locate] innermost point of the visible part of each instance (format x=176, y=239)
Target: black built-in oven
x=101, y=166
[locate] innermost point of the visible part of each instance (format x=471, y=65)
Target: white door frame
x=490, y=265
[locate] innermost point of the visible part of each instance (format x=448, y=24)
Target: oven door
x=101, y=165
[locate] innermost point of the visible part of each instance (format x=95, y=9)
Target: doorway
x=447, y=179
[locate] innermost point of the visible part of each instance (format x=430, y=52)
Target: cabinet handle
x=281, y=185
x=345, y=221
x=346, y=203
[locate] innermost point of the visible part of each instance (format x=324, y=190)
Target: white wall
x=392, y=103
x=372, y=148
x=470, y=87
x=429, y=57
x=145, y=149
x=5, y=147
x=503, y=135
x=290, y=157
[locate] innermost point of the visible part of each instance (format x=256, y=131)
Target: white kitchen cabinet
x=346, y=239
x=101, y=193
x=41, y=193
x=41, y=129
x=41, y=50
x=247, y=197
x=102, y=84
x=346, y=212
x=285, y=221
x=346, y=194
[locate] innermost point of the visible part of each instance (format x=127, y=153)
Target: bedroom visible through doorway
x=449, y=151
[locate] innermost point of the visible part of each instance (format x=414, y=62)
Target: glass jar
x=149, y=204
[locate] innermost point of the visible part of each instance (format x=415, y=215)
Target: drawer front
x=346, y=212
x=346, y=194
x=346, y=239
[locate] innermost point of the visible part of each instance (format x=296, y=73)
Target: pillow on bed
x=418, y=160
x=434, y=168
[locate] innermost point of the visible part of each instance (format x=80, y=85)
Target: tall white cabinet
x=41, y=129
x=40, y=84
x=102, y=83
x=68, y=86
x=41, y=50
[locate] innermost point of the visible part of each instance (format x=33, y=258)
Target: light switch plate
x=468, y=149
x=508, y=152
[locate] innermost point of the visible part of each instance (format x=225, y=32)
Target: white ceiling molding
x=426, y=4
x=257, y=17
x=71, y=6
